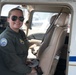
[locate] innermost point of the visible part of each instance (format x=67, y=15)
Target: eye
x=21, y=18
x=14, y=18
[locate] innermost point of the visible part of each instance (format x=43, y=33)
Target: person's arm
x=34, y=42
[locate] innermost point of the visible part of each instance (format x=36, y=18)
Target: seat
x=49, y=55
x=3, y=23
x=47, y=37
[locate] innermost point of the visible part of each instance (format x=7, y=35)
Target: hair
x=14, y=10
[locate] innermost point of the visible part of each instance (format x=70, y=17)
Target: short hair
x=13, y=10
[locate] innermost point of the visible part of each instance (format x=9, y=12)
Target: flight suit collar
x=10, y=30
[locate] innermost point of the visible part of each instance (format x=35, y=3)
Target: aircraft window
x=41, y=20
x=39, y=24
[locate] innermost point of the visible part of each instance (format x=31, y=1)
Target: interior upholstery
x=47, y=37
x=49, y=56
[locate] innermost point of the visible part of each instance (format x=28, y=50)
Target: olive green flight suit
x=13, y=53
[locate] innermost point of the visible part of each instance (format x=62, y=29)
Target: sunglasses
x=14, y=18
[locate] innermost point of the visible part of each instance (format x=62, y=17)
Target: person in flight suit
x=14, y=46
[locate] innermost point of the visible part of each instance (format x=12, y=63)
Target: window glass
x=41, y=21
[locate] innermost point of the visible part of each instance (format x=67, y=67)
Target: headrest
x=52, y=19
x=62, y=19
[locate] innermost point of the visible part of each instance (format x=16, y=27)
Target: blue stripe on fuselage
x=72, y=58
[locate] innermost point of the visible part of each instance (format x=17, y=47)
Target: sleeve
x=11, y=60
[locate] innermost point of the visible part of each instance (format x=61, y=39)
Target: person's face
x=16, y=23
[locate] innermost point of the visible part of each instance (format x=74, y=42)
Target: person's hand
x=33, y=70
x=28, y=62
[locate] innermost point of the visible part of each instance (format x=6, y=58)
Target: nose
x=18, y=20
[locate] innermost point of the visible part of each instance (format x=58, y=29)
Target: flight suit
x=13, y=53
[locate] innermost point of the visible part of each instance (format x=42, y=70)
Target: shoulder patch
x=3, y=42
